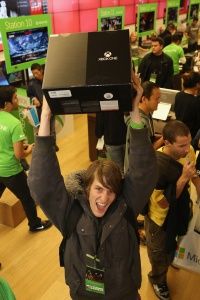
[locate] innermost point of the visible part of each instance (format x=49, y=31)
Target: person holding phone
x=169, y=209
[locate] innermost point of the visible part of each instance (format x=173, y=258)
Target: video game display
x=172, y=14
x=194, y=10
x=3, y=80
x=146, y=21
x=111, y=23
x=111, y=18
x=27, y=45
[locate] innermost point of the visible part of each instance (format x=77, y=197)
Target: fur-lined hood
x=75, y=182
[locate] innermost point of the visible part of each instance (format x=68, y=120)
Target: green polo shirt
x=10, y=132
x=175, y=52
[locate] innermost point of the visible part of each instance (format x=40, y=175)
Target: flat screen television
x=14, y=78
x=194, y=10
x=146, y=21
x=27, y=45
x=3, y=80
x=111, y=23
x=172, y=14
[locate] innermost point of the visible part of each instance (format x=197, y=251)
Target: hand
x=137, y=86
x=135, y=115
x=45, y=108
x=28, y=148
x=189, y=170
x=44, y=129
x=36, y=102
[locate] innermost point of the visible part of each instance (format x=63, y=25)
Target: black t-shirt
x=156, y=63
x=187, y=110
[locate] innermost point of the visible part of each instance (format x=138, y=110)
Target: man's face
x=152, y=102
x=180, y=148
x=38, y=74
x=156, y=48
x=100, y=198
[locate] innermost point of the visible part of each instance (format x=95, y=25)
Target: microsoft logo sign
x=180, y=252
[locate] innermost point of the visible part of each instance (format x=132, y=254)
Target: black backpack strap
x=70, y=225
x=130, y=217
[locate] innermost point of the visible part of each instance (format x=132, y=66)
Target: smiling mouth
x=101, y=206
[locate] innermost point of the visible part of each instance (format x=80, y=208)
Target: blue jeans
x=116, y=154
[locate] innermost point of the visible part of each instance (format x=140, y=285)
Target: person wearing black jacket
x=157, y=66
x=101, y=256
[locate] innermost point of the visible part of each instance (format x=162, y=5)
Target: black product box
x=88, y=72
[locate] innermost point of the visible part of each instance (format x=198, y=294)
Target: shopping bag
x=187, y=255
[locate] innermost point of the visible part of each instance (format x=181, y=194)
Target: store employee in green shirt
x=175, y=51
x=12, y=175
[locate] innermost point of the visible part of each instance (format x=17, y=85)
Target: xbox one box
x=88, y=72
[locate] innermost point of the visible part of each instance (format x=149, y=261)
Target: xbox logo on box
x=107, y=54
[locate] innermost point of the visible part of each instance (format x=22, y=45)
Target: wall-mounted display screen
x=25, y=40
x=110, y=18
x=111, y=23
x=27, y=45
x=194, y=10
x=146, y=19
x=3, y=80
x=172, y=11
x=13, y=78
x=172, y=14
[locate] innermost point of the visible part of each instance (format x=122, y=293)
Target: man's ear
x=167, y=143
x=142, y=99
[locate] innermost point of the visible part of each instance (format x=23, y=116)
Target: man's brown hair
x=107, y=172
x=173, y=129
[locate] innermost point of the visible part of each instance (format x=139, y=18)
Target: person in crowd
x=169, y=209
x=187, y=104
x=157, y=66
x=167, y=34
x=111, y=125
x=12, y=175
x=175, y=51
x=35, y=93
x=103, y=238
x=34, y=90
x=193, y=34
x=147, y=105
x=136, y=50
